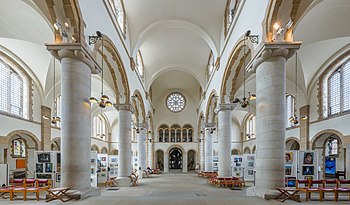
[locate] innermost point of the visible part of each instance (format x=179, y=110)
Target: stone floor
x=175, y=189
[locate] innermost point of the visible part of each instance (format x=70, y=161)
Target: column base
x=83, y=194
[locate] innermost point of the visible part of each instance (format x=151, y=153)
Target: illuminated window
x=19, y=148
x=119, y=12
x=139, y=63
x=211, y=65
x=290, y=103
x=230, y=13
x=175, y=102
x=332, y=147
x=13, y=90
x=58, y=109
x=250, y=127
x=336, y=91
x=99, y=127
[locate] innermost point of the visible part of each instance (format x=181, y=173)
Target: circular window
x=175, y=102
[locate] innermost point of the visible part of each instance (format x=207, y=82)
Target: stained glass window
x=175, y=102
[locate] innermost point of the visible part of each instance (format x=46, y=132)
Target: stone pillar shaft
x=304, y=128
x=166, y=161
x=270, y=115
x=141, y=142
x=208, y=151
x=76, y=124
x=224, y=123
x=45, y=128
x=184, y=162
x=124, y=141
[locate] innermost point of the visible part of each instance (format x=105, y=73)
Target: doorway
x=175, y=158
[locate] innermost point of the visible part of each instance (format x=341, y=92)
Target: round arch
x=140, y=106
x=121, y=90
x=94, y=147
x=235, y=152
x=29, y=134
x=104, y=150
x=233, y=69
x=246, y=150
x=320, y=134
x=211, y=105
x=292, y=143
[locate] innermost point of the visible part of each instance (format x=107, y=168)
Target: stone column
x=114, y=140
x=208, y=143
x=141, y=143
x=270, y=116
x=201, y=151
x=224, y=123
x=77, y=66
x=166, y=161
x=150, y=150
x=124, y=141
x=45, y=128
x=184, y=162
x=304, y=128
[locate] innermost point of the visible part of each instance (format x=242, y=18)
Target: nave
x=175, y=189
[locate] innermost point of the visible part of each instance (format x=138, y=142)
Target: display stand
x=291, y=167
x=308, y=165
x=113, y=166
x=237, y=165
x=45, y=166
x=248, y=164
x=102, y=163
x=4, y=174
x=93, y=167
x=215, y=163
x=135, y=164
x=57, y=165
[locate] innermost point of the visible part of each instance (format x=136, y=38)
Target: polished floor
x=174, y=189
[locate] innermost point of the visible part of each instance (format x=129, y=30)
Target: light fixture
x=294, y=118
x=280, y=31
x=210, y=127
x=245, y=100
x=104, y=99
x=55, y=119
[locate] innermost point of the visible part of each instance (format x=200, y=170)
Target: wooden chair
x=19, y=187
x=31, y=187
x=314, y=189
x=43, y=184
x=343, y=187
x=6, y=190
x=328, y=189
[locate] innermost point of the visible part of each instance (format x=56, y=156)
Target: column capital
x=127, y=107
x=76, y=51
x=227, y=106
x=273, y=49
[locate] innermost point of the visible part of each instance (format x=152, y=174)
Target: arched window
x=139, y=64
x=332, y=147
x=230, y=13
x=13, y=90
x=250, y=127
x=99, y=127
x=58, y=110
x=211, y=65
x=290, y=103
x=336, y=91
x=119, y=12
x=19, y=148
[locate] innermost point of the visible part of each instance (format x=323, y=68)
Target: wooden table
x=287, y=193
x=58, y=193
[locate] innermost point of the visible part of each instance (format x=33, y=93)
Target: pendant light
x=104, y=99
x=294, y=118
x=245, y=100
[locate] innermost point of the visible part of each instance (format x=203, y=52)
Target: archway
x=159, y=159
x=292, y=144
x=235, y=152
x=175, y=158
x=246, y=150
x=191, y=160
x=20, y=154
x=329, y=143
